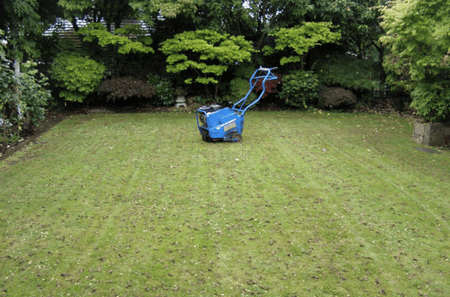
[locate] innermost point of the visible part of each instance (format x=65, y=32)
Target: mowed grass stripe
x=137, y=203
x=368, y=173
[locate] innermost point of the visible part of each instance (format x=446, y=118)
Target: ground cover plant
x=311, y=204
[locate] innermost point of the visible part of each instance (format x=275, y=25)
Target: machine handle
x=267, y=76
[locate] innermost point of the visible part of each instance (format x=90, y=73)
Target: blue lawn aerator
x=216, y=123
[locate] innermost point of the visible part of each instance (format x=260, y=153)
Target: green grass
x=311, y=204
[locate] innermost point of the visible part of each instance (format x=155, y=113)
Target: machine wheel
x=205, y=136
x=236, y=137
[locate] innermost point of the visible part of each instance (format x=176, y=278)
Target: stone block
x=432, y=134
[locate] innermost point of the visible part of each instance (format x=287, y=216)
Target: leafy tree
x=254, y=19
x=113, y=12
x=151, y=10
x=22, y=95
x=115, y=46
x=358, y=21
x=299, y=40
x=207, y=53
x=417, y=33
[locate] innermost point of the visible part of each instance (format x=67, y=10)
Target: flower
x=4, y=42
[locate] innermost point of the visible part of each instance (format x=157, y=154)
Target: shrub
x=126, y=87
x=336, y=98
x=300, y=89
x=164, y=92
x=33, y=95
x=244, y=70
x=432, y=101
x=271, y=86
x=348, y=72
x=239, y=88
x=78, y=76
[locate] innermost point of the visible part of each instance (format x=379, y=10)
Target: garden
x=107, y=187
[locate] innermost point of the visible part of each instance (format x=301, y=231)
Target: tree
x=358, y=21
x=22, y=24
x=115, y=46
x=417, y=35
x=113, y=12
x=207, y=53
x=151, y=10
x=254, y=19
x=299, y=40
x=21, y=96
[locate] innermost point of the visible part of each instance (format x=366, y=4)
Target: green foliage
x=347, y=71
x=206, y=52
x=300, y=89
x=336, y=98
x=432, y=100
x=33, y=94
x=111, y=12
x=244, y=70
x=121, y=39
x=358, y=21
x=165, y=8
x=77, y=76
x=163, y=88
x=417, y=33
x=23, y=25
x=299, y=40
x=22, y=98
x=239, y=88
x=126, y=87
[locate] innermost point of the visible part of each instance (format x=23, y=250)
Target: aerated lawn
x=310, y=204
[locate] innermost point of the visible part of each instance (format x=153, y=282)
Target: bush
x=239, y=88
x=336, y=98
x=22, y=99
x=300, y=89
x=348, y=72
x=271, y=86
x=164, y=92
x=78, y=76
x=432, y=101
x=244, y=70
x=126, y=87
x=33, y=96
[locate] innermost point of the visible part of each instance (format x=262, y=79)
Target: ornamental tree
x=297, y=41
x=207, y=53
x=115, y=46
x=417, y=32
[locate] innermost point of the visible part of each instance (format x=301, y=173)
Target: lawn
x=310, y=204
